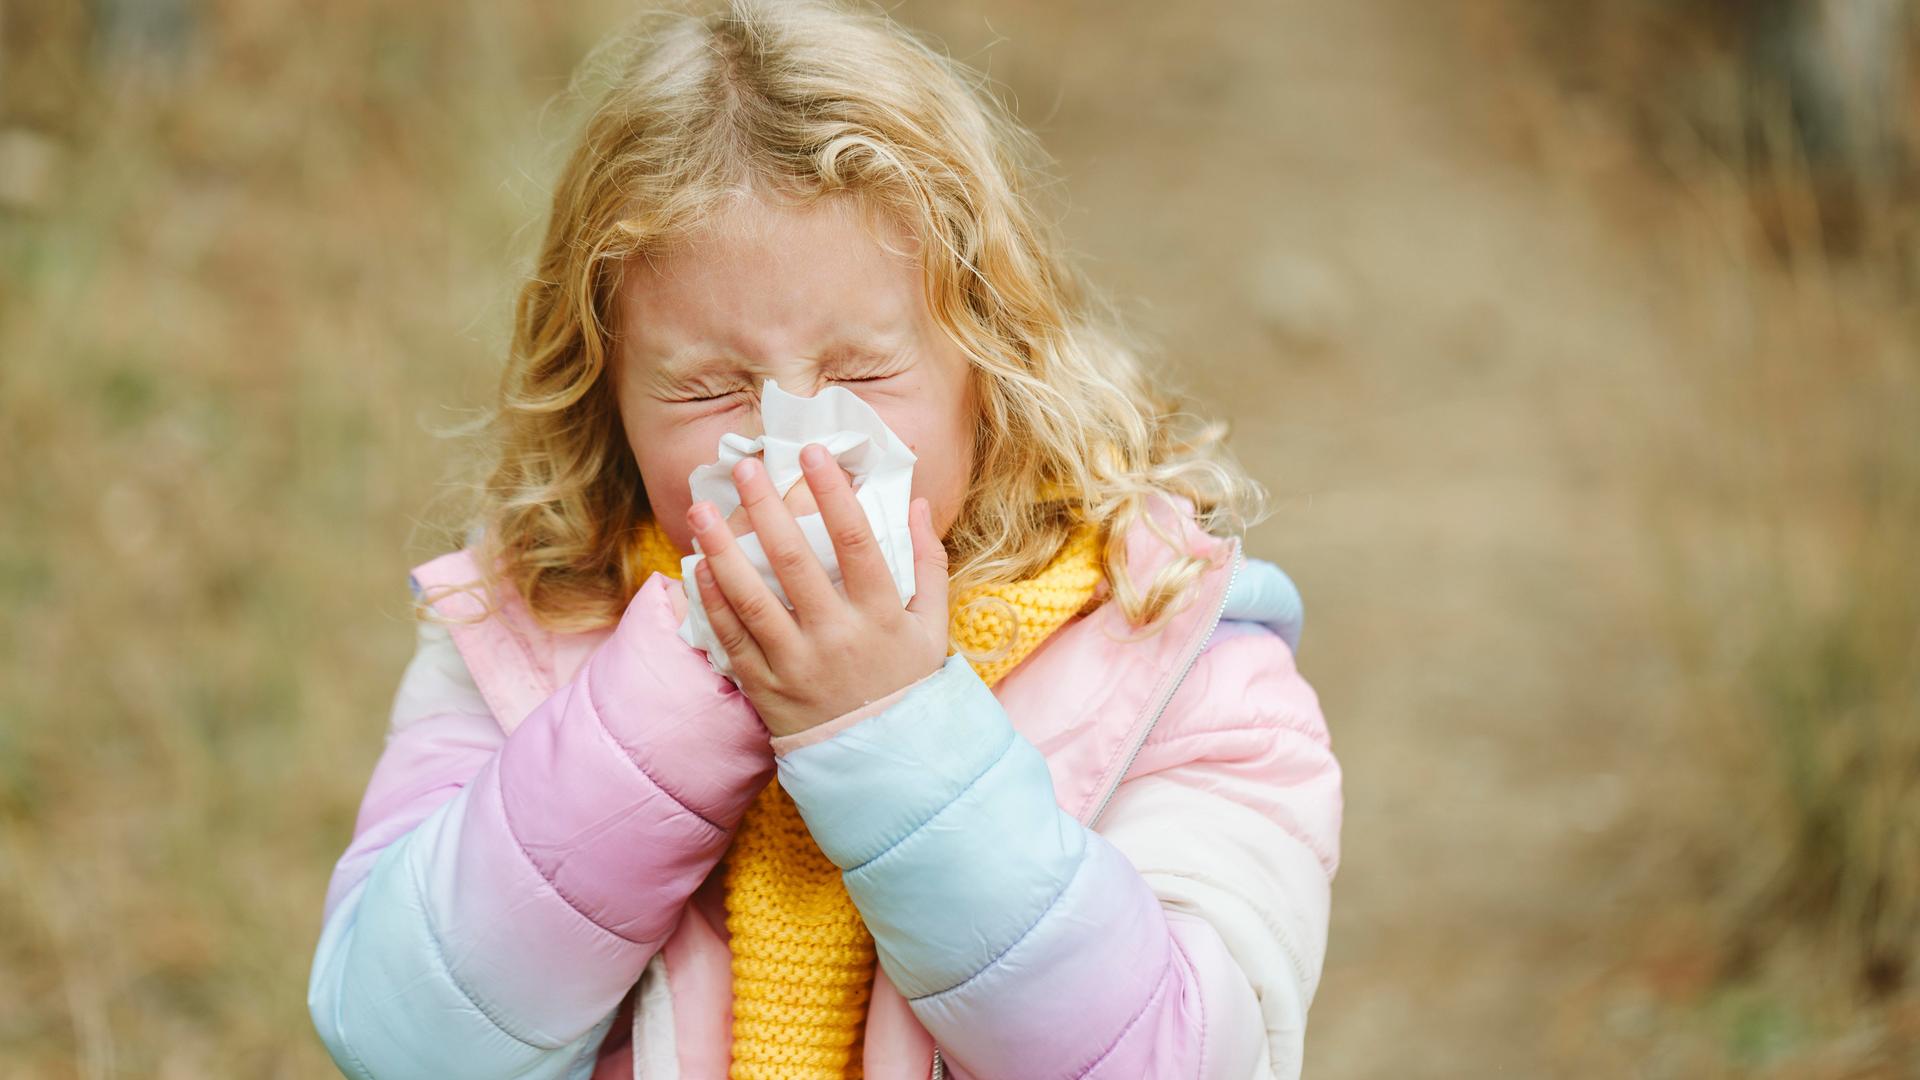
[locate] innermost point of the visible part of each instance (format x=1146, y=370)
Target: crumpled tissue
x=882, y=471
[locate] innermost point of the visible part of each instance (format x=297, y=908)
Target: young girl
x=1071, y=812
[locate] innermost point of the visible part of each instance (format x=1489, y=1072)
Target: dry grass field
x=1595, y=452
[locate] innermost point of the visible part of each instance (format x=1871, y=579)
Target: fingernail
x=703, y=516
x=744, y=471
x=813, y=455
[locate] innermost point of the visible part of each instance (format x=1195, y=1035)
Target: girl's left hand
x=831, y=654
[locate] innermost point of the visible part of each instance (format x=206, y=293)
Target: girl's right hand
x=800, y=502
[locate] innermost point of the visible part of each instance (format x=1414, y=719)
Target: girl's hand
x=831, y=654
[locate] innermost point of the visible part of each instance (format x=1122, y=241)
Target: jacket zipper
x=1213, y=623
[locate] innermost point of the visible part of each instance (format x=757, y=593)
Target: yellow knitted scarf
x=802, y=959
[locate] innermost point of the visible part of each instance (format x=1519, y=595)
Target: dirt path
x=1384, y=320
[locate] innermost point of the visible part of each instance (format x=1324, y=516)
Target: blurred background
x=1576, y=341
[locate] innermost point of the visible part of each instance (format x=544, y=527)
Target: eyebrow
x=688, y=365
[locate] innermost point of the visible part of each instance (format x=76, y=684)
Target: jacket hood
x=1263, y=593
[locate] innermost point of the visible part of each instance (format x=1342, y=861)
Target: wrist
x=821, y=732
x=799, y=718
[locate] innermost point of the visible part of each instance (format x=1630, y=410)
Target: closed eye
x=697, y=399
x=873, y=377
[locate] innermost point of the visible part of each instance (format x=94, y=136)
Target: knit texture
x=803, y=961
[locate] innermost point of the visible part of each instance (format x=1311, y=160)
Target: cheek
x=943, y=444
x=666, y=452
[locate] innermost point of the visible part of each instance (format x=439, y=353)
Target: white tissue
x=882, y=471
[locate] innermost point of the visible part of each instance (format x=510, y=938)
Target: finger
x=788, y=552
x=742, y=651
x=863, y=566
x=929, y=567
x=758, y=609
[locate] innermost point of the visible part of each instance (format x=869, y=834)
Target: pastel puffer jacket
x=1115, y=864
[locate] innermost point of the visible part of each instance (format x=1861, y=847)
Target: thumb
x=929, y=566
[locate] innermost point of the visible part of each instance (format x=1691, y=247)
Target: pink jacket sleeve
x=503, y=893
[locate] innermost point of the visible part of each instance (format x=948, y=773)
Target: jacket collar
x=1093, y=694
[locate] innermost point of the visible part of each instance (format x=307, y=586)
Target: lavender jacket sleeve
x=1030, y=945
x=481, y=860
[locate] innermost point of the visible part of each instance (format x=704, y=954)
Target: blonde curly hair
x=818, y=100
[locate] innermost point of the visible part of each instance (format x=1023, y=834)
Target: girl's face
x=805, y=297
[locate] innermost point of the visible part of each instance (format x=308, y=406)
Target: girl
x=1095, y=841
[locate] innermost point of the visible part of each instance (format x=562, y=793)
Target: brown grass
x=1777, y=466
x=268, y=267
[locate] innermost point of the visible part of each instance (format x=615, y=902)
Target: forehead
x=771, y=279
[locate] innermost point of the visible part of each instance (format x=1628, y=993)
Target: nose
x=796, y=381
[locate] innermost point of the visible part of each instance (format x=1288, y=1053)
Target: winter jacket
x=1116, y=863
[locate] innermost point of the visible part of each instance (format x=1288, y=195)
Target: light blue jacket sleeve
x=1023, y=941
x=382, y=935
